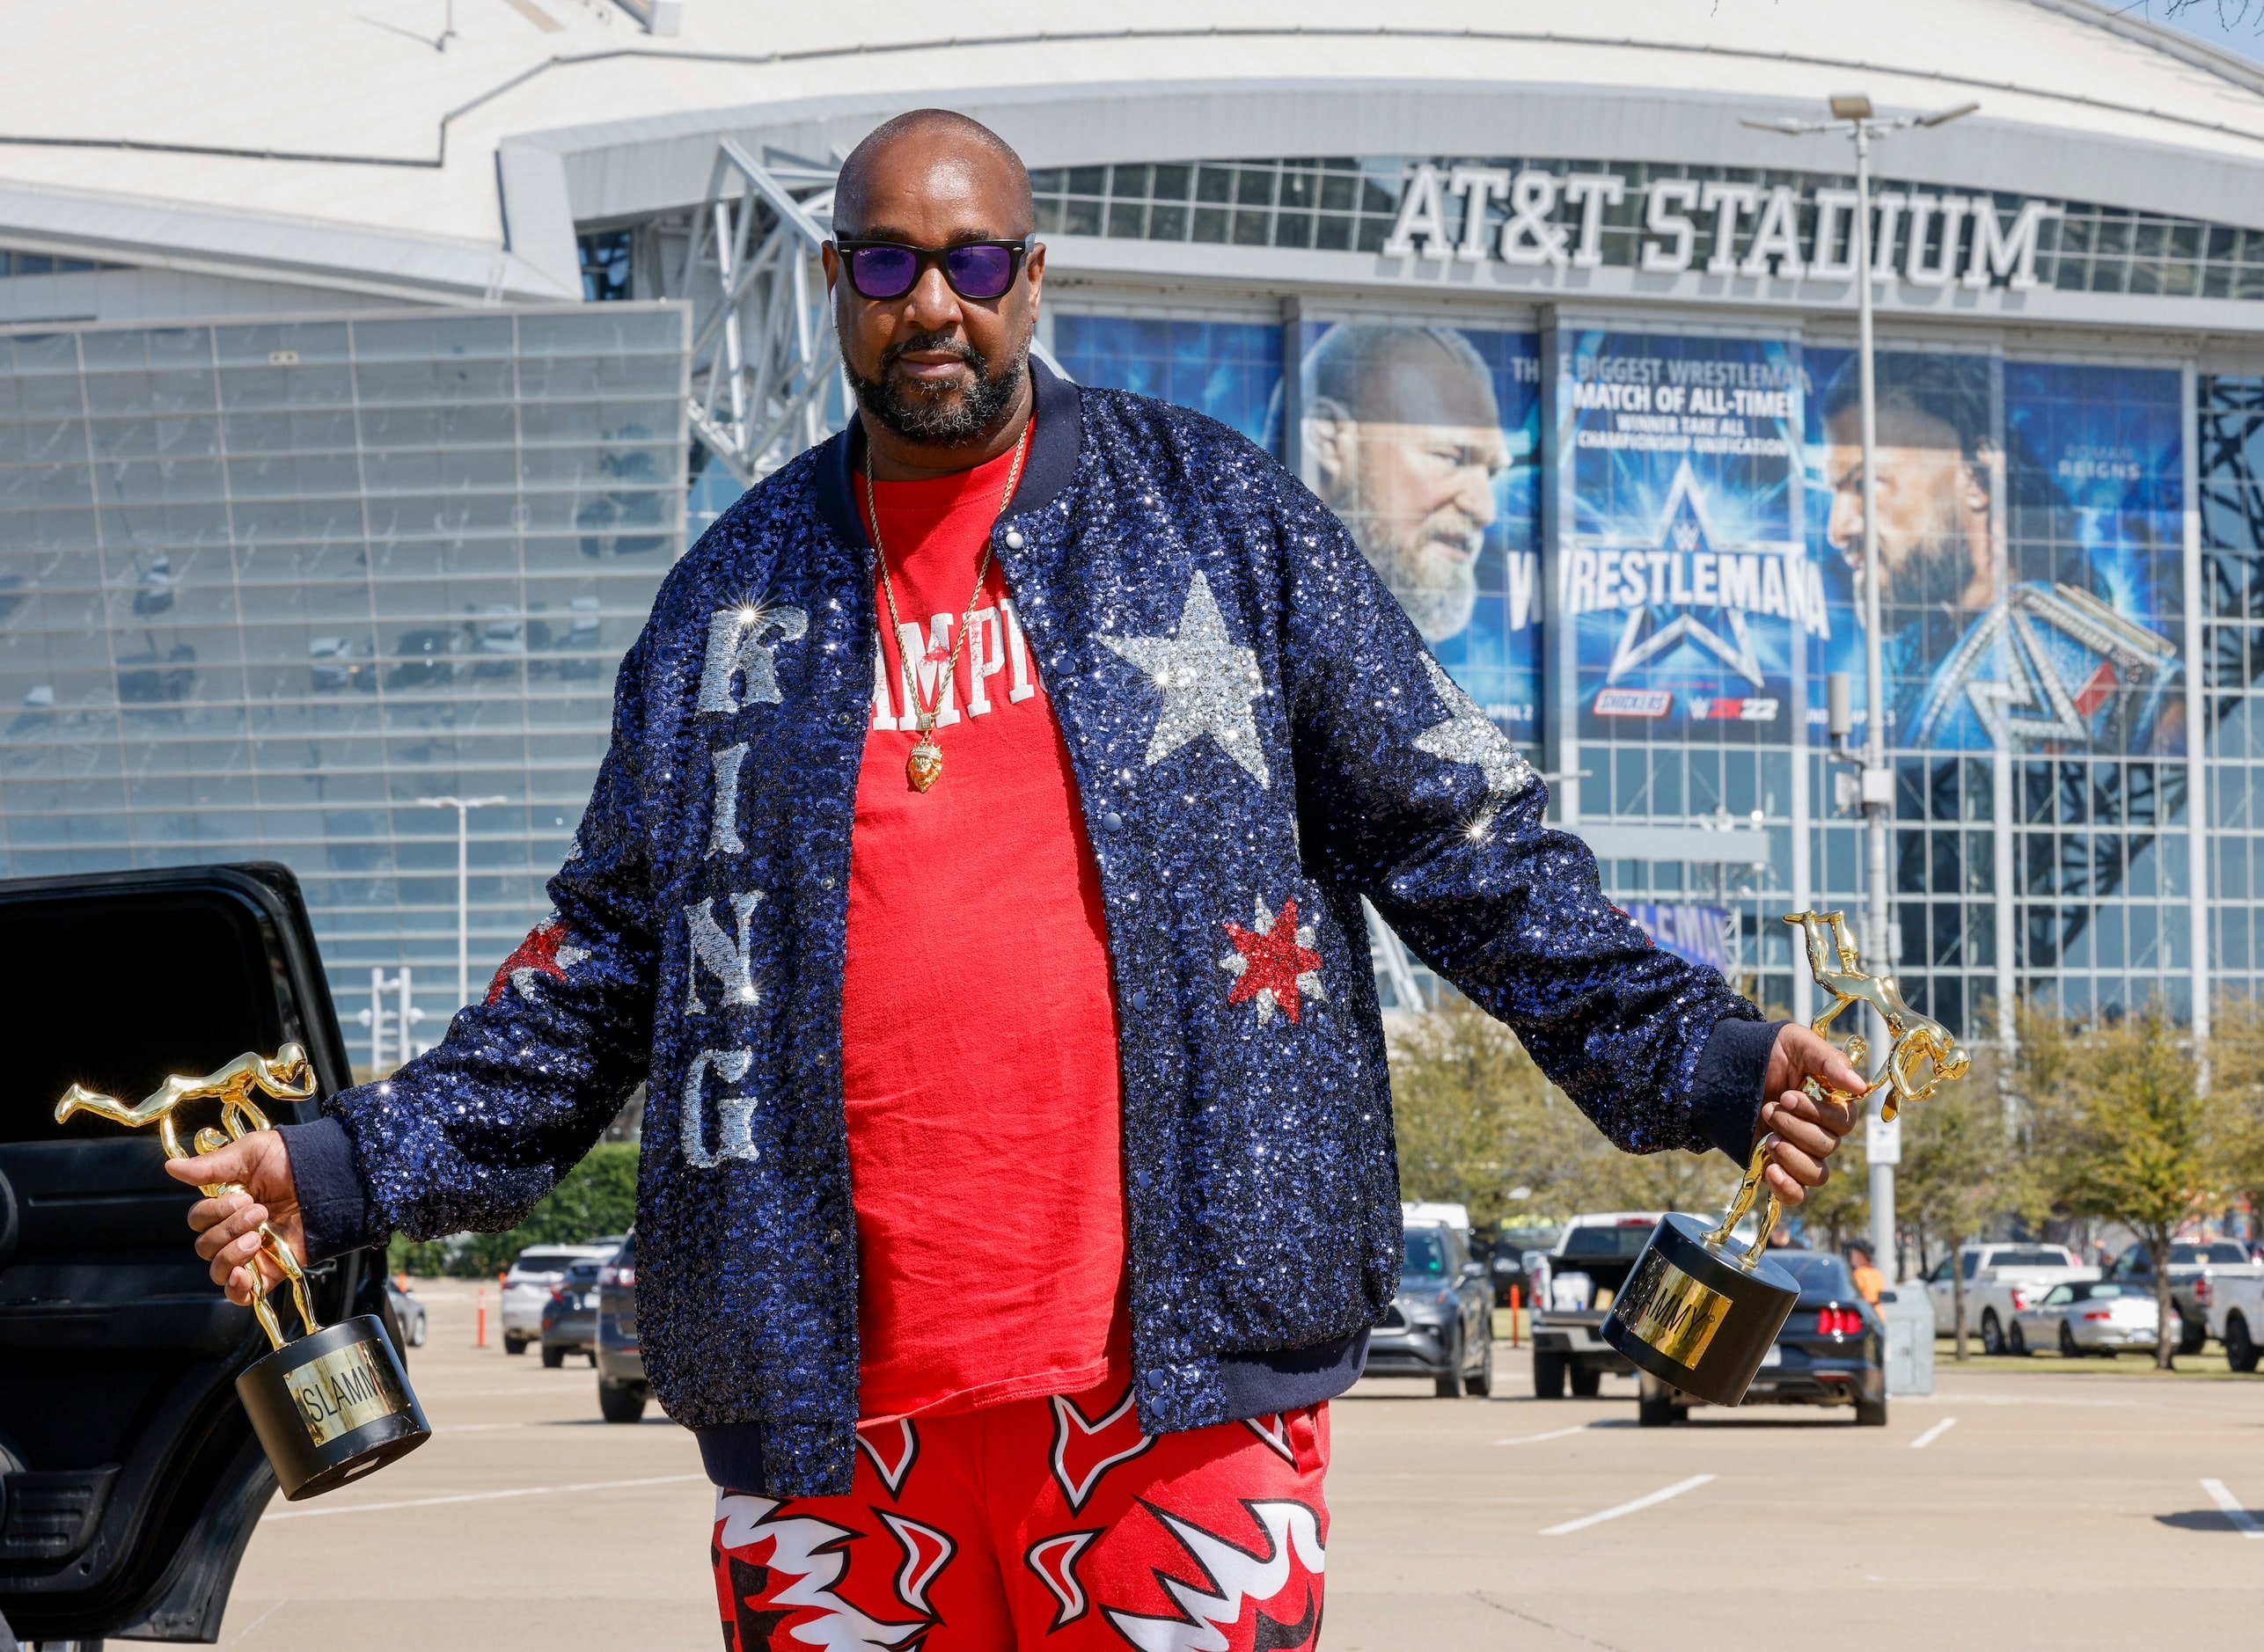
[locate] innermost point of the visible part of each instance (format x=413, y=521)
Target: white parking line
x=476, y=1496
x=1655, y=1498
x=1933, y=1434
x=1553, y=1434
x=2238, y=1517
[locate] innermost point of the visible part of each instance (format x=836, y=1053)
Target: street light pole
x=1852, y=112
x=463, y=806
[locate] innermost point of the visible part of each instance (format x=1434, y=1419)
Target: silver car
x=2087, y=1316
x=408, y=1314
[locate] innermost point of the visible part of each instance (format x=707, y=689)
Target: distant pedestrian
x=1868, y=1279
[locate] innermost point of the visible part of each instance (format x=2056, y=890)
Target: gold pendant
x=924, y=766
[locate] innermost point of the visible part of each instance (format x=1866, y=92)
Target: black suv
x=130, y=1477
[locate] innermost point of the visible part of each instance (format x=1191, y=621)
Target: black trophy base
x=333, y=1406
x=1693, y=1318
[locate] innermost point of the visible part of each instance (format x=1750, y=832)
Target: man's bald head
x=933, y=137
x=1403, y=440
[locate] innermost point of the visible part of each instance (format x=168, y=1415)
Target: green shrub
x=598, y=1195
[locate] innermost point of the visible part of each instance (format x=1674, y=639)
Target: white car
x=2001, y=1279
x=528, y=1285
x=2087, y=1316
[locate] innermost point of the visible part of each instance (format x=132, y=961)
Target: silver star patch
x=1207, y=683
x=1469, y=736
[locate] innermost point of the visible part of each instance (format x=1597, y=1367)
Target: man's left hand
x=1806, y=1129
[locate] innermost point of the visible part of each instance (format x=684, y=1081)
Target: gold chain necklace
x=924, y=766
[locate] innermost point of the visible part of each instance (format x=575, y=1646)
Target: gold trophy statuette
x=1700, y=1315
x=334, y=1404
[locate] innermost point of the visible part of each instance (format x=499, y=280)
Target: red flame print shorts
x=1046, y=1523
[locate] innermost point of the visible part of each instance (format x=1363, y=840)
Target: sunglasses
x=978, y=270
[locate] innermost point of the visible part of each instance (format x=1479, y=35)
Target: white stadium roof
x=329, y=143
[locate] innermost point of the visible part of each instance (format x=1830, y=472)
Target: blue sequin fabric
x=1255, y=726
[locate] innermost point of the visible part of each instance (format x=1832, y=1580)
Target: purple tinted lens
x=979, y=272
x=884, y=271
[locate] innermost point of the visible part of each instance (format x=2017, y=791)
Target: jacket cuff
x=333, y=1203
x=1726, y=1089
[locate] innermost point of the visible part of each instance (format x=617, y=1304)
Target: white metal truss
x=763, y=379
x=765, y=370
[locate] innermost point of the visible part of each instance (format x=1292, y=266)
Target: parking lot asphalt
x=2014, y=1507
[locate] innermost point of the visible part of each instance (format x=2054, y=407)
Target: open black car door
x=129, y=1478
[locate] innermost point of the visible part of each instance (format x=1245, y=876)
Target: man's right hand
x=228, y=1227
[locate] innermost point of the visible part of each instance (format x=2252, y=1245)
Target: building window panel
x=1910, y=861
x=1948, y=874
x=1980, y=936
x=2146, y=937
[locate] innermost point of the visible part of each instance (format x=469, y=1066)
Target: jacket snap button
x=1140, y=999
x=1014, y=538
x=1112, y=821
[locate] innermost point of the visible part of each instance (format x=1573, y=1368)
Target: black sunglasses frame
x=928, y=256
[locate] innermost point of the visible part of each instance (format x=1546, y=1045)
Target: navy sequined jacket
x=1259, y=737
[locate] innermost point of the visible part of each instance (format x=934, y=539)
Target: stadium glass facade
x=1685, y=490
x=265, y=586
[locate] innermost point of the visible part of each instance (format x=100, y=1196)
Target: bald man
x=1403, y=440
x=973, y=879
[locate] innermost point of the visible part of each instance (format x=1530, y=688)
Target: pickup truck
x=2201, y=1270
x=2236, y=1318
x=1573, y=1287
x=2001, y=1279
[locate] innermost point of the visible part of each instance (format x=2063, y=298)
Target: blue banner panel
x=1229, y=370
x=1699, y=934
x=1422, y=440
x=2031, y=568
x=1688, y=583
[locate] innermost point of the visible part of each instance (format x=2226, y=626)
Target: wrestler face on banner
x=1403, y=440
x=1937, y=544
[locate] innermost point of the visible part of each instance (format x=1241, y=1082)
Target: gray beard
x=1441, y=611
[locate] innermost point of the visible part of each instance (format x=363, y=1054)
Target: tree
x=1959, y=1168
x=2229, y=14
x=2123, y=1138
x=1464, y=1095
x=2236, y=1099
x=597, y=1196
x=1475, y=1119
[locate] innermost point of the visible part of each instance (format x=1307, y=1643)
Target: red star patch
x=1276, y=966
x=545, y=952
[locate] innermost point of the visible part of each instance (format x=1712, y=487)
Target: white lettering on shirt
x=986, y=657
x=923, y=665
x=1018, y=653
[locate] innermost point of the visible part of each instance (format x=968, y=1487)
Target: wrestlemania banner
x=1421, y=438
x=2031, y=568
x=1688, y=583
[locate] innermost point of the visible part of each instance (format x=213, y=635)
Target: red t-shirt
x=977, y=1027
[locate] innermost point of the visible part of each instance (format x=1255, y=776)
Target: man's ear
x=1330, y=443
x=1980, y=478
x=1979, y=481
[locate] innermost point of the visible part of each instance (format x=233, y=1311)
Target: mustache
x=1456, y=526
x=943, y=343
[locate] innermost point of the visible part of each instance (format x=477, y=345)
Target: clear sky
x=2237, y=24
